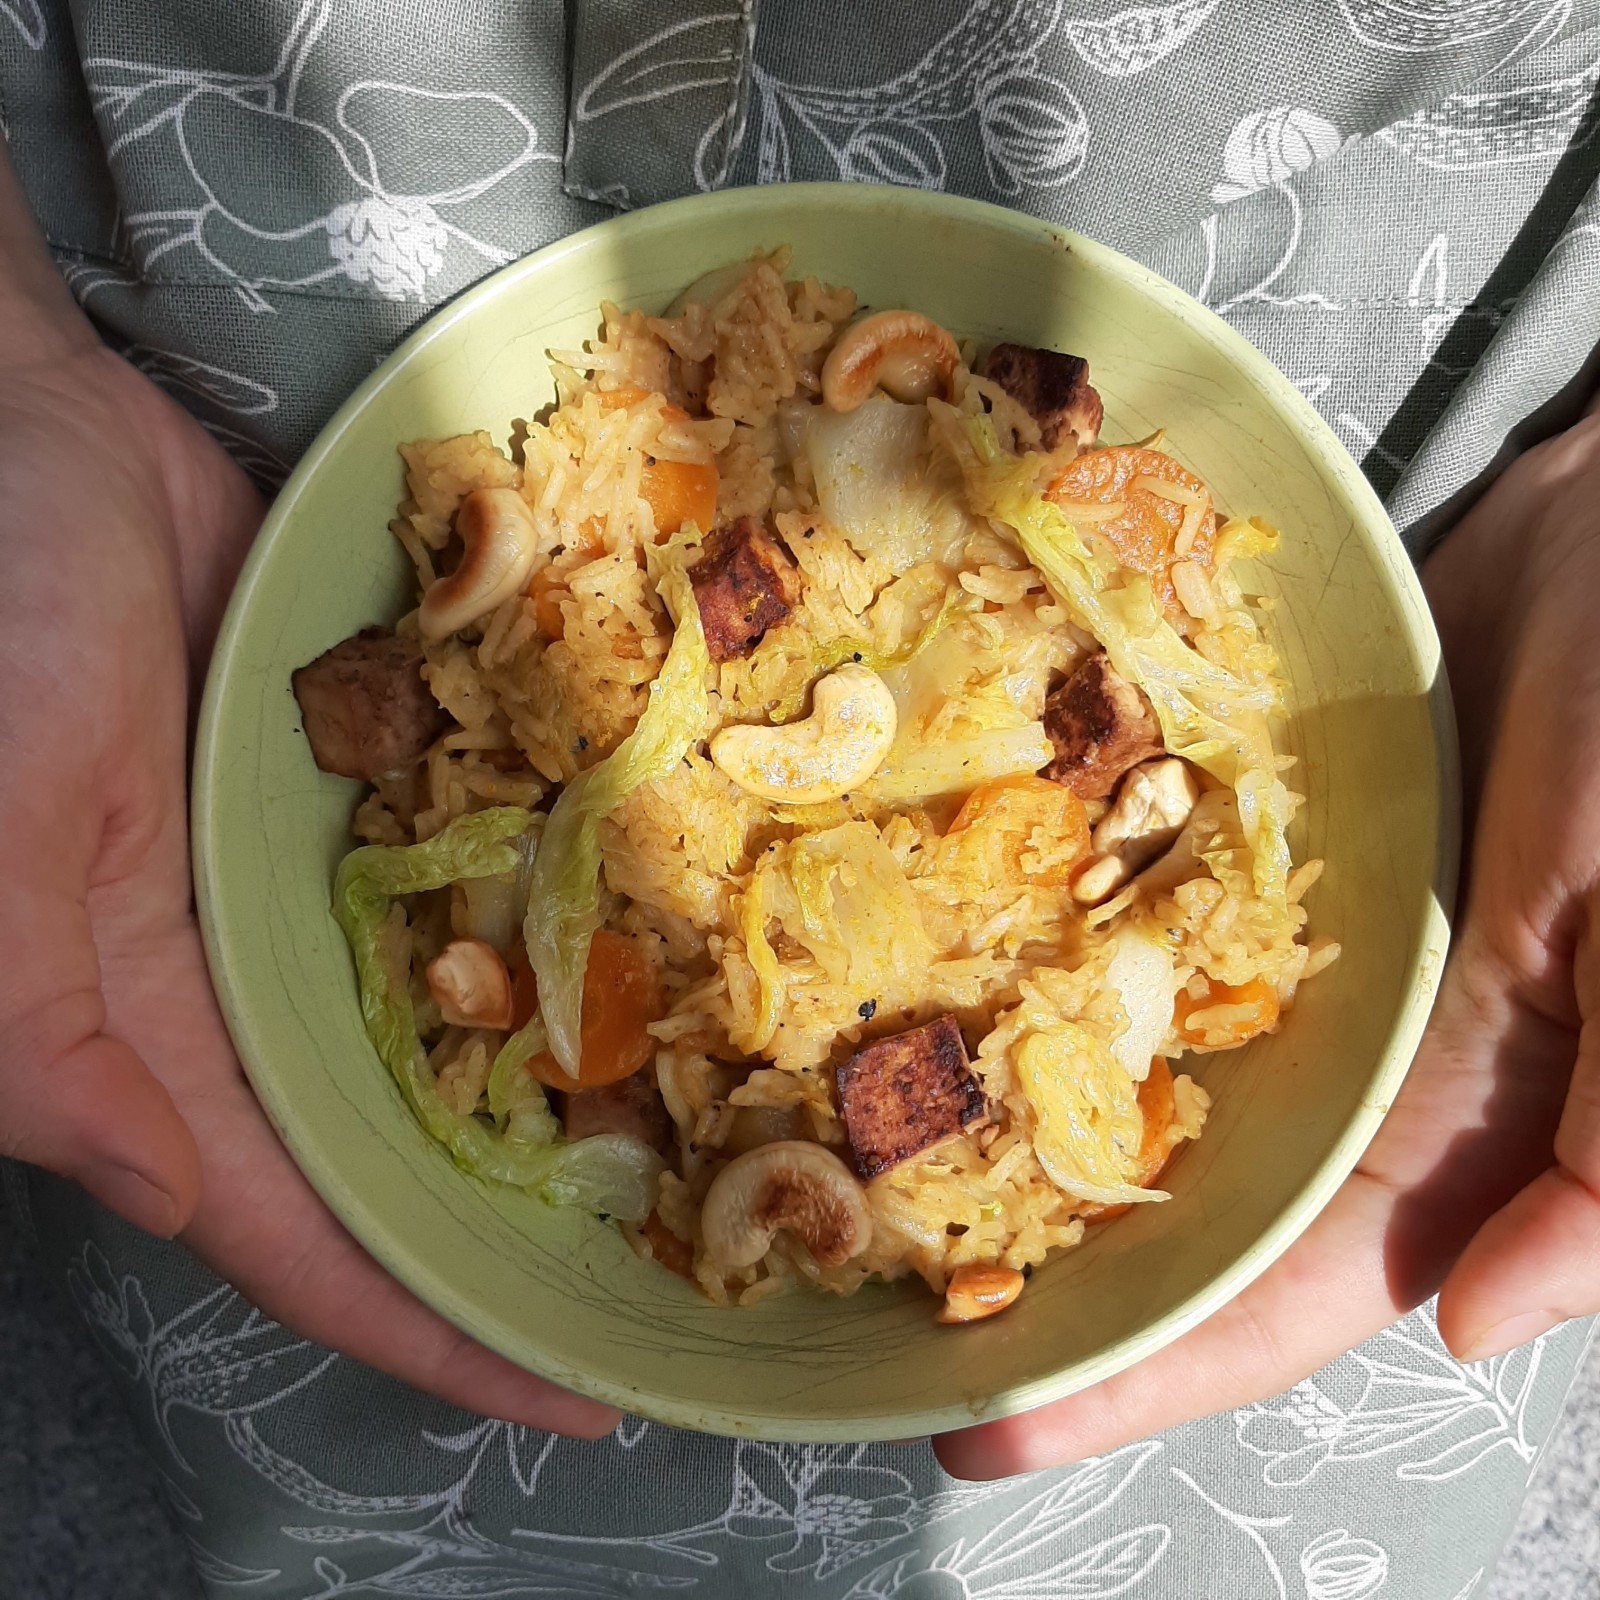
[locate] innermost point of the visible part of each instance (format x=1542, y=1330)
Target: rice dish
x=822, y=794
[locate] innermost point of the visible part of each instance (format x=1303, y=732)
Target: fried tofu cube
x=365, y=707
x=631, y=1106
x=1052, y=388
x=744, y=584
x=906, y=1093
x=1101, y=727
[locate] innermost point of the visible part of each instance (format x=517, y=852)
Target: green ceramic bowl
x=561, y=1293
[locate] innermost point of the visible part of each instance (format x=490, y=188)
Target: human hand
x=1483, y=1183
x=122, y=526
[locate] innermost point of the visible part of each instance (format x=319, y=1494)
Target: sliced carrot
x=1228, y=1014
x=621, y=998
x=675, y=1254
x=1157, y=1107
x=998, y=819
x=1144, y=534
x=546, y=590
x=678, y=492
x=524, y=988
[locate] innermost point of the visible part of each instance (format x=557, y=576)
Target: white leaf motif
x=1337, y=1567
x=1135, y=40
x=215, y=1570
x=1530, y=123
x=292, y=1479
x=1416, y=26
x=29, y=20
x=1266, y=147
x=678, y=60
x=1109, y=1568
x=232, y=391
x=395, y=245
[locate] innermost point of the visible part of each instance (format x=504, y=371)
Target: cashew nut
x=976, y=1291
x=1154, y=802
x=793, y=1185
x=839, y=746
x=498, y=540
x=471, y=985
x=904, y=353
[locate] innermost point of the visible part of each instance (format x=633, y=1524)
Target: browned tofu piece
x=632, y=1106
x=1052, y=388
x=365, y=706
x=744, y=584
x=1101, y=725
x=904, y=1094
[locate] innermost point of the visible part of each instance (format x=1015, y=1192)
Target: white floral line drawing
x=1020, y=1557
x=1249, y=1526
x=1470, y=1587
x=1335, y=1566
x=430, y=1541
x=1264, y=152
x=1134, y=40
x=219, y=1357
x=986, y=70
x=381, y=230
x=1442, y=1417
x=28, y=19
x=1500, y=127
x=1415, y=27
x=696, y=53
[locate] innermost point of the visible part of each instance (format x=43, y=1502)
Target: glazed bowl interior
x=560, y=1292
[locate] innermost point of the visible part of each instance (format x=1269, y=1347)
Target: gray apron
x=255, y=201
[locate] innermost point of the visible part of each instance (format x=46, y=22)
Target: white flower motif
x=1337, y=1567
x=1269, y=146
x=395, y=245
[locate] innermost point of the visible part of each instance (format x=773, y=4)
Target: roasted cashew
x=471, y=985
x=904, y=353
x=840, y=745
x=1155, y=800
x=498, y=540
x=976, y=1291
x=792, y=1185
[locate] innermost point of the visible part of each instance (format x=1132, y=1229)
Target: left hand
x=1483, y=1184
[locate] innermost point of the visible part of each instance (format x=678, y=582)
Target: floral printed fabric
x=1390, y=197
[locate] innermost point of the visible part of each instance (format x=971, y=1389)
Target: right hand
x=122, y=526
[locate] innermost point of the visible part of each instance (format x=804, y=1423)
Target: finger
x=75, y=1099
x=1536, y=1262
x=262, y=1227
x=1533, y=1265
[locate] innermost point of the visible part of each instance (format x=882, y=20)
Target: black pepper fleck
x=867, y=1010
x=856, y=656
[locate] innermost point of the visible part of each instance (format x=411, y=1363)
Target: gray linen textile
x=1392, y=198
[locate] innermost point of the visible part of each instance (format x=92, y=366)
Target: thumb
x=76, y=1099
x=1536, y=1261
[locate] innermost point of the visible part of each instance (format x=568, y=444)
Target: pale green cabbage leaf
x=610, y=1174
x=1208, y=715
x=564, y=895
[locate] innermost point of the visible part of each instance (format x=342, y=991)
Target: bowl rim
x=367, y=1224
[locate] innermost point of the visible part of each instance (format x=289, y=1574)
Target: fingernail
x=1509, y=1334
x=132, y=1196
